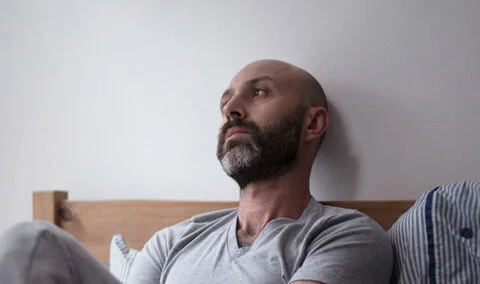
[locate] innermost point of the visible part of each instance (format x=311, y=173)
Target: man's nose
x=235, y=108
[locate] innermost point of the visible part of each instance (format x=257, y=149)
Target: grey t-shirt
x=326, y=244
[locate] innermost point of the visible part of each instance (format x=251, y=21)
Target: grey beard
x=239, y=158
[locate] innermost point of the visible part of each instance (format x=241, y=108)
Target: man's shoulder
x=214, y=216
x=199, y=221
x=172, y=234
x=337, y=218
x=317, y=210
x=344, y=246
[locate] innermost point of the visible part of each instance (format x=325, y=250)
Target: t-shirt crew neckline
x=232, y=243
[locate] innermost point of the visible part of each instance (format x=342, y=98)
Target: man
x=274, y=119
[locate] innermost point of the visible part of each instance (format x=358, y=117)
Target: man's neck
x=285, y=197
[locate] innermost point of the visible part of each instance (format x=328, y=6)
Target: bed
x=93, y=223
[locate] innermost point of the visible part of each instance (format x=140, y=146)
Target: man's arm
x=147, y=267
x=354, y=249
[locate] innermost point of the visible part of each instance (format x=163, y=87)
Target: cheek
x=268, y=115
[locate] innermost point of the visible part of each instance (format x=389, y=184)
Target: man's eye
x=260, y=92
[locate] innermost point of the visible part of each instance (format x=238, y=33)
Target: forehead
x=283, y=74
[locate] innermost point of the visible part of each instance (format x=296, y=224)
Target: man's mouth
x=236, y=131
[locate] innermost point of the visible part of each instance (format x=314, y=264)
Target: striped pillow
x=121, y=258
x=438, y=239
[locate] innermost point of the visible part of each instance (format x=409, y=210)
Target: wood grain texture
x=94, y=223
x=46, y=205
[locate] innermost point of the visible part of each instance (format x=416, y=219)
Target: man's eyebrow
x=226, y=93
x=259, y=79
x=249, y=82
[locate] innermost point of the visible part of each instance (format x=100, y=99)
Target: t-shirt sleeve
x=148, y=265
x=354, y=249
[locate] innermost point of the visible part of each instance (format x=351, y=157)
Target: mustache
x=238, y=122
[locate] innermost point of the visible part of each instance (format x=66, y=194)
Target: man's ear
x=317, y=122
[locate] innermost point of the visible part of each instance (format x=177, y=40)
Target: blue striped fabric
x=121, y=258
x=438, y=239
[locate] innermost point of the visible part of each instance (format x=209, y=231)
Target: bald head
x=274, y=117
x=267, y=91
x=301, y=82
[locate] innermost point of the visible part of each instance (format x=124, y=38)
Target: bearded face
x=259, y=154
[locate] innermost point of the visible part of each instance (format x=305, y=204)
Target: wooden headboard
x=94, y=223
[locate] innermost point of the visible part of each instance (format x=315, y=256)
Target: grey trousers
x=39, y=252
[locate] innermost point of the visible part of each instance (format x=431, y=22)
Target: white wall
x=119, y=99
